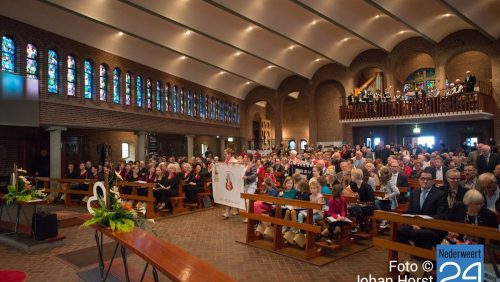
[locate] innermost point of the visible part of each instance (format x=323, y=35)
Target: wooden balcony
x=452, y=108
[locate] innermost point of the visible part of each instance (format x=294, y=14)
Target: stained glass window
x=234, y=113
x=116, y=86
x=195, y=104
x=202, y=108
x=139, y=91
x=207, y=108
x=8, y=54
x=52, y=75
x=128, y=89
x=238, y=114
x=189, y=103
x=212, y=108
x=217, y=110
x=71, y=76
x=182, y=101
x=167, y=97
x=174, y=99
x=103, y=83
x=430, y=84
x=159, y=99
x=229, y=112
x=87, y=79
x=31, y=61
x=149, y=94
x=222, y=110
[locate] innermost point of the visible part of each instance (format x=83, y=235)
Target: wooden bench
x=173, y=262
x=64, y=186
x=149, y=199
x=177, y=202
x=206, y=193
x=311, y=249
x=396, y=220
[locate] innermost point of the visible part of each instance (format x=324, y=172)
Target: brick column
x=190, y=145
x=141, y=146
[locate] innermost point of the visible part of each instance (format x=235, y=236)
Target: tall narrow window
x=167, y=97
x=149, y=94
x=238, y=114
x=159, y=98
x=221, y=110
x=128, y=89
x=195, y=104
x=202, y=108
x=229, y=112
x=212, y=108
x=217, y=110
x=116, y=86
x=234, y=113
x=174, y=99
x=207, y=108
x=103, y=83
x=138, y=91
x=52, y=75
x=87, y=79
x=8, y=54
x=31, y=61
x=182, y=101
x=189, y=103
x=71, y=76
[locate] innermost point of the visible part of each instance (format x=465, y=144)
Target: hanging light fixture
x=416, y=130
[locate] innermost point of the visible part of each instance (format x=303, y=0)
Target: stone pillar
x=55, y=150
x=495, y=84
x=440, y=76
x=222, y=142
x=278, y=124
x=190, y=145
x=141, y=146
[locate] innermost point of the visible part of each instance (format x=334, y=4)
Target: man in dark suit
x=382, y=153
x=487, y=161
x=438, y=170
x=470, y=82
x=398, y=177
x=430, y=201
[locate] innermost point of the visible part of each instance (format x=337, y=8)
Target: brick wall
x=295, y=119
x=477, y=62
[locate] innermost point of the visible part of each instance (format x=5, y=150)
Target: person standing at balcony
x=470, y=82
x=458, y=89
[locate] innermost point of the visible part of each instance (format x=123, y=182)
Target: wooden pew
x=396, y=220
x=311, y=251
x=64, y=187
x=148, y=199
x=177, y=203
x=173, y=262
x=205, y=193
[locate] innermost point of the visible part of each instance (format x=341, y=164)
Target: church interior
x=259, y=140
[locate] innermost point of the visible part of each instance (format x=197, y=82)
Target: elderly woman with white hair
x=471, y=211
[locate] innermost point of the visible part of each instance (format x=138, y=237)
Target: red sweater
x=336, y=207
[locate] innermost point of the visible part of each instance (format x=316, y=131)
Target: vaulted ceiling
x=234, y=46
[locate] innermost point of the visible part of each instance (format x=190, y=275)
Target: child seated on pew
x=325, y=189
x=336, y=210
x=315, y=197
x=302, y=195
x=389, y=202
x=297, y=178
x=258, y=206
x=360, y=190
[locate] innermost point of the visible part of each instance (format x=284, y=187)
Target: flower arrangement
x=21, y=190
x=119, y=215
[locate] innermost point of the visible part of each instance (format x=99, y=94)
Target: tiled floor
x=205, y=235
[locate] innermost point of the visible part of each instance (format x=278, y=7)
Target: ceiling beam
x=207, y=35
x=332, y=21
x=224, y=8
x=466, y=19
x=150, y=41
x=385, y=11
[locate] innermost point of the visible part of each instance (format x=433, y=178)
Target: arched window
x=159, y=99
x=182, y=101
x=138, y=91
x=174, y=99
x=128, y=89
x=238, y=114
x=8, y=54
x=292, y=144
x=167, y=97
x=420, y=79
x=116, y=86
x=189, y=103
x=53, y=75
x=207, y=107
x=31, y=61
x=195, y=104
x=103, y=82
x=149, y=94
x=212, y=108
x=71, y=76
x=87, y=79
x=303, y=144
x=202, y=108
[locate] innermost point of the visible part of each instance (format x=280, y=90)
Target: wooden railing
x=396, y=219
x=468, y=103
x=310, y=250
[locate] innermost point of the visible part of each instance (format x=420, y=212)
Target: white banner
x=227, y=182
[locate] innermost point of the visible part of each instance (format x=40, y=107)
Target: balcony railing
x=470, y=103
